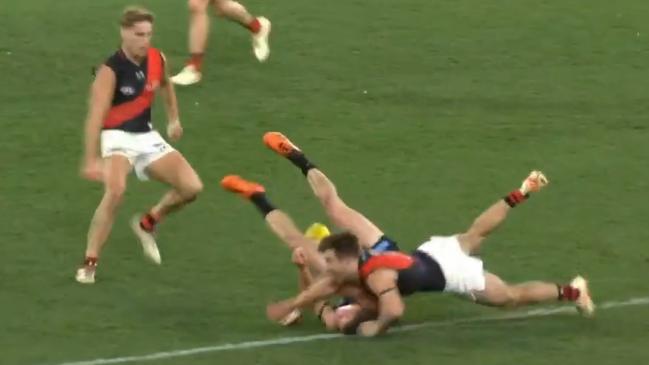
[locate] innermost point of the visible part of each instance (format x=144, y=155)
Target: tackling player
x=440, y=264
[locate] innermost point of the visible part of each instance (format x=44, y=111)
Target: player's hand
x=368, y=329
x=278, y=311
x=174, y=131
x=299, y=257
x=93, y=169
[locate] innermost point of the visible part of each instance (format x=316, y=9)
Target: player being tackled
x=441, y=264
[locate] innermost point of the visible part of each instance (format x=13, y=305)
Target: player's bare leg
x=116, y=170
x=259, y=27
x=340, y=214
x=173, y=170
x=199, y=28
x=491, y=218
x=499, y=293
x=234, y=11
x=278, y=221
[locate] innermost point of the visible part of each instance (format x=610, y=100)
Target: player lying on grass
x=440, y=264
x=306, y=257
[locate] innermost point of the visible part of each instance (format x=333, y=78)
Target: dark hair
x=132, y=15
x=343, y=244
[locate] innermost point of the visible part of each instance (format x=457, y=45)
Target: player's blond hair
x=135, y=14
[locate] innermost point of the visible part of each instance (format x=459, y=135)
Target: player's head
x=136, y=30
x=349, y=317
x=345, y=315
x=341, y=252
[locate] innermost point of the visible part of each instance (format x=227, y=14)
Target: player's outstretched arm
x=321, y=308
x=321, y=289
x=299, y=258
x=383, y=283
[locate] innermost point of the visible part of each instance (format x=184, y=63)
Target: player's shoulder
x=110, y=63
x=116, y=61
x=157, y=51
x=386, y=256
x=389, y=261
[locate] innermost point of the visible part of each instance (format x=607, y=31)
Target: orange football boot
x=280, y=144
x=237, y=184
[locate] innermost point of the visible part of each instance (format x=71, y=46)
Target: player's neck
x=131, y=57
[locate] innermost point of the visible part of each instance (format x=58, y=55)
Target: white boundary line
x=541, y=312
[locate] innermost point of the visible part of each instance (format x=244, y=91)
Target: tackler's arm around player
x=383, y=283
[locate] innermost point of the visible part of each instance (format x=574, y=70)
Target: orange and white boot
x=238, y=185
x=280, y=144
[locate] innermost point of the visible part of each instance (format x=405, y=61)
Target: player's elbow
x=396, y=312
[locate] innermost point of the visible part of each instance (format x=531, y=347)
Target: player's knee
x=114, y=193
x=196, y=187
x=198, y=6
x=192, y=189
x=513, y=298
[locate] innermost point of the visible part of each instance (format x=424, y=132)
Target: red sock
x=149, y=221
x=254, y=26
x=90, y=261
x=196, y=60
x=567, y=292
x=515, y=197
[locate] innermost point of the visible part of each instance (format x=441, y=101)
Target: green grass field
x=462, y=99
